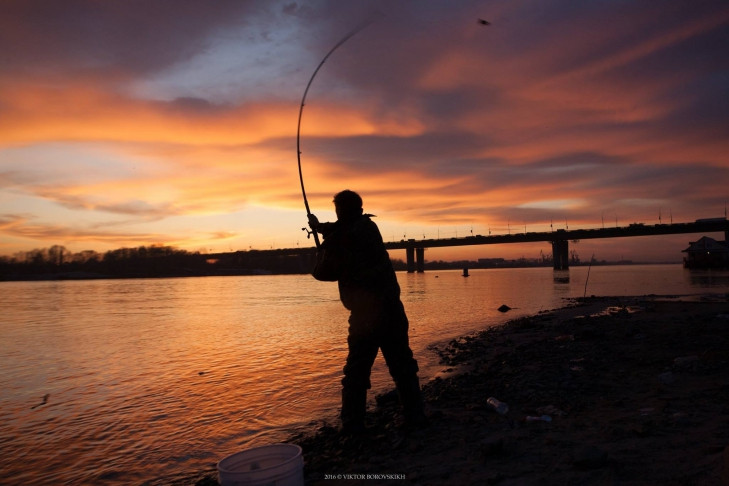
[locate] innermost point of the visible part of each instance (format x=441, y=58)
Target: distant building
x=707, y=253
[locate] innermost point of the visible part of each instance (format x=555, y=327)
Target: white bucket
x=271, y=465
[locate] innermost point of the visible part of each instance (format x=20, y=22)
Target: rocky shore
x=606, y=391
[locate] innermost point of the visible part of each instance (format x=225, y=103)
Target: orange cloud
x=81, y=112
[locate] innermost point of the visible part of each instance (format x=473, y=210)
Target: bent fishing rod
x=301, y=111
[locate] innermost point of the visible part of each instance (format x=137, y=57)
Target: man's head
x=347, y=204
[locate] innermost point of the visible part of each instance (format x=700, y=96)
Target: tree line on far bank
x=57, y=262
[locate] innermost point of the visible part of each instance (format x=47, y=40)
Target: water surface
x=150, y=378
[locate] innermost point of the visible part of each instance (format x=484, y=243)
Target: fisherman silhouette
x=354, y=255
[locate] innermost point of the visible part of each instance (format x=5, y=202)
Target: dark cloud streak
x=50, y=37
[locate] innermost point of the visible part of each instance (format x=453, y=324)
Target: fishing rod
x=301, y=111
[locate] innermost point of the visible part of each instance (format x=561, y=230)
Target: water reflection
x=708, y=279
x=561, y=277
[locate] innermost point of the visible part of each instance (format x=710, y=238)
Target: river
x=134, y=381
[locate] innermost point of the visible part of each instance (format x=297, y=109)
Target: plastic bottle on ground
x=498, y=405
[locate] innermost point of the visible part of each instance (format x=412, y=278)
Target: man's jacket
x=354, y=255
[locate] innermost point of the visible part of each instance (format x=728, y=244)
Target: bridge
x=415, y=249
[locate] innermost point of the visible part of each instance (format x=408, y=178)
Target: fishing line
x=344, y=39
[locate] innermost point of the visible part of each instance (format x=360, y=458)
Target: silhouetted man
x=354, y=255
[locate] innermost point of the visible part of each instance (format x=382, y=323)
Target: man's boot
x=354, y=405
x=411, y=399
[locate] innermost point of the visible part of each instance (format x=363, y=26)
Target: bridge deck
x=713, y=226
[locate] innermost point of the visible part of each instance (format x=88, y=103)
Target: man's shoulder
x=365, y=222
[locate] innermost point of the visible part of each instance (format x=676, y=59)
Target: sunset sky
x=173, y=122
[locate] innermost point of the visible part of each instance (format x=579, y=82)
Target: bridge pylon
x=410, y=258
x=561, y=254
x=415, y=258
